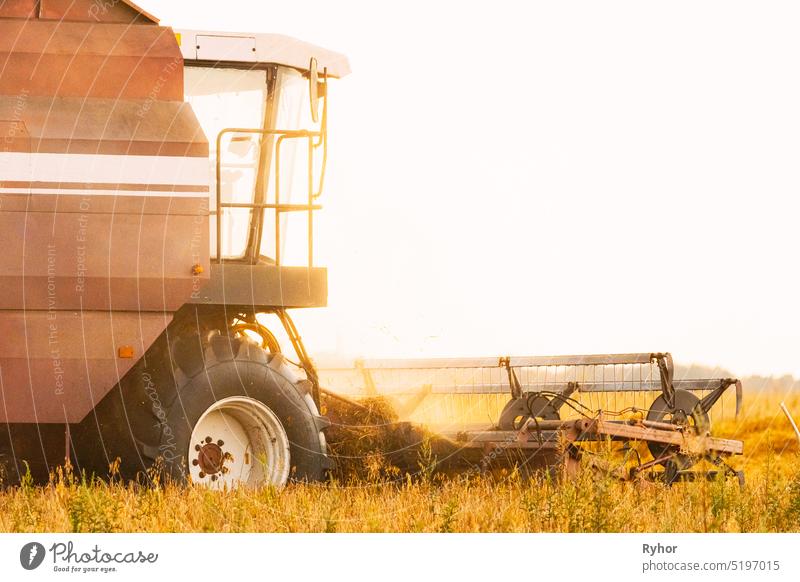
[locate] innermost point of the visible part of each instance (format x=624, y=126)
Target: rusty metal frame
x=565, y=437
x=599, y=428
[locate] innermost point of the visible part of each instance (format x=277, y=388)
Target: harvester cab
x=261, y=101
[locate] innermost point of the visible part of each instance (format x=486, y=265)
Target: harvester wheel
x=243, y=419
x=688, y=413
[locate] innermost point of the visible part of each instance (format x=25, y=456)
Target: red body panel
x=57, y=365
x=104, y=199
x=82, y=252
x=95, y=10
x=86, y=59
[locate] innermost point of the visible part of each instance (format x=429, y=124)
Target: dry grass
x=382, y=498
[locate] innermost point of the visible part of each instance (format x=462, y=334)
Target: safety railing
x=314, y=139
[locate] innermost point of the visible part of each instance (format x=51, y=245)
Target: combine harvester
x=148, y=182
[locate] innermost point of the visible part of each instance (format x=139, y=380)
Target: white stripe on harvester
x=61, y=192
x=104, y=169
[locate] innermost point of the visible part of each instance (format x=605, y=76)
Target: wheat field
x=425, y=501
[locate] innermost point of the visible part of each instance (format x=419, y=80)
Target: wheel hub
x=211, y=458
x=238, y=441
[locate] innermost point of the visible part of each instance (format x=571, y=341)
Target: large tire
x=233, y=368
x=148, y=420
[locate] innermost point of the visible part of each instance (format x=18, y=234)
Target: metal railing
x=314, y=140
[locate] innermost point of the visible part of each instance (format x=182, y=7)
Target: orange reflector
x=125, y=351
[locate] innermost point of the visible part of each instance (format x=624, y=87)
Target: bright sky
x=554, y=177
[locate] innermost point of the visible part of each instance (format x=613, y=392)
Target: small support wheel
x=687, y=413
x=670, y=472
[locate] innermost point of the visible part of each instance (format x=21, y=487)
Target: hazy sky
x=554, y=177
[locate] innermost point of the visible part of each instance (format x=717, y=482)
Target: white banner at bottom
x=390, y=557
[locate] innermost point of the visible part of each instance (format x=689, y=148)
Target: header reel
x=574, y=401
